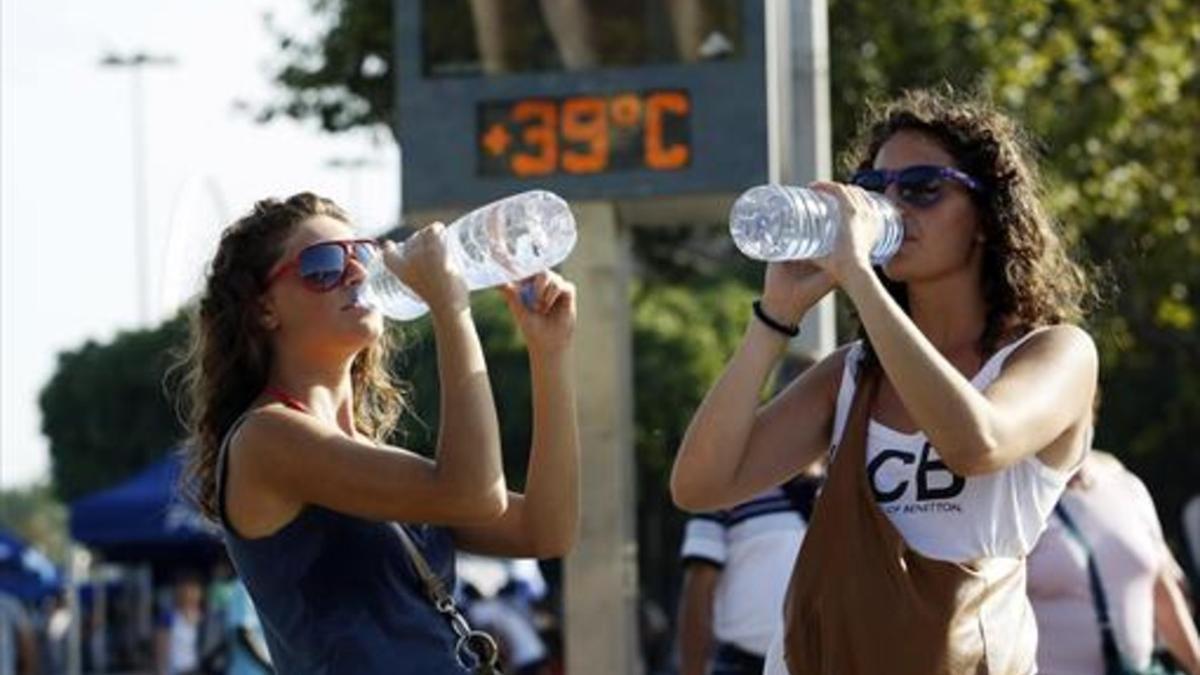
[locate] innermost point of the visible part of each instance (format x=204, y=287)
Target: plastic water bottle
x=505, y=241
x=783, y=222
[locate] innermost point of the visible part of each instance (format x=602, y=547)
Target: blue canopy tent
x=24, y=571
x=144, y=519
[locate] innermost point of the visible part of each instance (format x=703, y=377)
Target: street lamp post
x=135, y=62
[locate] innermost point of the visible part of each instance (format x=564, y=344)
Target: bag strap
x=475, y=650
x=1112, y=653
x=434, y=587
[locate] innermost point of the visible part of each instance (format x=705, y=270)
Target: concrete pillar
x=601, y=573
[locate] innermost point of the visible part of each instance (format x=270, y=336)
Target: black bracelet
x=790, y=331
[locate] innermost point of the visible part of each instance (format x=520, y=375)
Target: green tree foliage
x=682, y=336
x=105, y=410
x=343, y=77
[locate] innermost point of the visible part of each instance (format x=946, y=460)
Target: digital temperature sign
x=584, y=135
x=494, y=98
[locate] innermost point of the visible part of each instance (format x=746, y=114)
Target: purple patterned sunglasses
x=919, y=186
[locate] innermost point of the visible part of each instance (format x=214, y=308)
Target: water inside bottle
x=508, y=240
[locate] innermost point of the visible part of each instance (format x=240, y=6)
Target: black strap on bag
x=1114, y=661
x=475, y=650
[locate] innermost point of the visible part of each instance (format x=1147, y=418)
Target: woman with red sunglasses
x=291, y=406
x=954, y=422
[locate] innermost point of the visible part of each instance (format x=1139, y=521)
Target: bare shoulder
x=257, y=448
x=1062, y=352
x=262, y=427
x=271, y=429
x=1059, y=339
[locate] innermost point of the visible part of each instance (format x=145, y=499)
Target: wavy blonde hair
x=229, y=354
x=1029, y=278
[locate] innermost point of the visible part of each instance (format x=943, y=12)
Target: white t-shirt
x=944, y=516
x=184, y=643
x=1117, y=518
x=755, y=544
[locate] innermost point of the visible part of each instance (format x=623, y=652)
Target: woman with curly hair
x=955, y=421
x=291, y=407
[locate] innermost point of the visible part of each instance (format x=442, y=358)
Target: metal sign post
x=799, y=129
x=601, y=572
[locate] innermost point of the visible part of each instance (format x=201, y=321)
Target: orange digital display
x=583, y=135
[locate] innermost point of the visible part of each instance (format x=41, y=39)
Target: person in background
x=736, y=565
x=177, y=642
x=18, y=645
x=1191, y=535
x=57, y=624
x=526, y=586
x=1103, y=553
x=214, y=642
x=503, y=616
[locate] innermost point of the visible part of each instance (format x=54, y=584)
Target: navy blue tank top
x=337, y=595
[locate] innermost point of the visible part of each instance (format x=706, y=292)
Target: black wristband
x=790, y=331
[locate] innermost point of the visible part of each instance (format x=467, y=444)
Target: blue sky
x=66, y=180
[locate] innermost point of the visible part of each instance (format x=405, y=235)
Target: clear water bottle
x=505, y=241
x=782, y=222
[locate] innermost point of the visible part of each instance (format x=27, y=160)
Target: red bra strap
x=285, y=398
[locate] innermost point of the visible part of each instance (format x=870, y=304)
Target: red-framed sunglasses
x=322, y=266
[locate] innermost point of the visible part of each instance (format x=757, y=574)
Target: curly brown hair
x=229, y=354
x=1029, y=278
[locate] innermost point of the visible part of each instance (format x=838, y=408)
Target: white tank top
x=942, y=515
